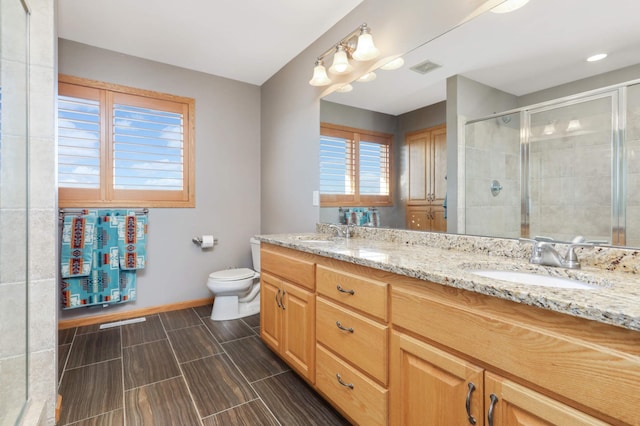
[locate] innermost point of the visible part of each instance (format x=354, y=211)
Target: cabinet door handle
x=472, y=420
x=342, y=290
x=494, y=401
x=278, y=301
x=341, y=327
x=346, y=385
x=282, y=299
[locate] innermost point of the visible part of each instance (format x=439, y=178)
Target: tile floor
x=181, y=368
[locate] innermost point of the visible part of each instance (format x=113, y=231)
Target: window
x=123, y=147
x=355, y=167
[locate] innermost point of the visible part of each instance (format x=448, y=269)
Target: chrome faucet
x=345, y=231
x=544, y=252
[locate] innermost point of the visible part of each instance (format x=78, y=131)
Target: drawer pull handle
x=346, y=385
x=494, y=401
x=278, y=301
x=341, y=327
x=284, y=292
x=472, y=420
x=342, y=290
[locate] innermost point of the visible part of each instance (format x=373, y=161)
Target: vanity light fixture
x=357, y=45
x=596, y=57
x=393, y=65
x=509, y=6
x=549, y=129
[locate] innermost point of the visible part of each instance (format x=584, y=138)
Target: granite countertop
x=615, y=300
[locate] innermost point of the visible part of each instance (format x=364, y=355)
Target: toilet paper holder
x=198, y=241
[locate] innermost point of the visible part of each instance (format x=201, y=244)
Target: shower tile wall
x=13, y=204
x=492, y=152
x=633, y=166
x=570, y=176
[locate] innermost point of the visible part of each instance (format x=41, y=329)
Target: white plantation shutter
x=147, y=149
x=337, y=165
x=374, y=168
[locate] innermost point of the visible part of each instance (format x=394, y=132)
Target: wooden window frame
x=356, y=199
x=107, y=195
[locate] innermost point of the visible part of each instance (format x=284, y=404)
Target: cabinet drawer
x=365, y=402
x=364, y=294
x=289, y=265
x=365, y=346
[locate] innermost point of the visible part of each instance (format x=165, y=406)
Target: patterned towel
x=77, y=246
x=132, y=241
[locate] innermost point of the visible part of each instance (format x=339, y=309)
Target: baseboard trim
x=99, y=319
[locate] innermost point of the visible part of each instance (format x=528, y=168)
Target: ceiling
x=542, y=45
x=247, y=40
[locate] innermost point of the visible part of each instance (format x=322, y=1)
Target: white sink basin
x=534, y=279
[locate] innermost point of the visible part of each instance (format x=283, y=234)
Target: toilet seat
x=232, y=274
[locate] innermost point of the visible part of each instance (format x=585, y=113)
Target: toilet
x=236, y=292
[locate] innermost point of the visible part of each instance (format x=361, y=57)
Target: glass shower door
x=570, y=174
x=13, y=210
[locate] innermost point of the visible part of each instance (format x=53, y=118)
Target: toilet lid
x=232, y=274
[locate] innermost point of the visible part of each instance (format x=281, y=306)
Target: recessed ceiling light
x=598, y=57
x=509, y=6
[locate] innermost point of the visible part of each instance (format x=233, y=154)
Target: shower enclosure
x=560, y=169
x=13, y=210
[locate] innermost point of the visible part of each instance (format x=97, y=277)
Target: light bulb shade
x=574, y=125
x=393, y=65
x=509, y=6
x=370, y=76
x=341, y=63
x=366, y=50
x=345, y=89
x=320, y=77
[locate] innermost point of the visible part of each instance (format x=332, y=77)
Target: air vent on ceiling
x=425, y=67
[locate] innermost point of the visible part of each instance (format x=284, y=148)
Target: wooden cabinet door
x=418, y=218
x=517, y=405
x=438, y=183
x=430, y=387
x=417, y=145
x=270, y=311
x=298, y=329
x=438, y=222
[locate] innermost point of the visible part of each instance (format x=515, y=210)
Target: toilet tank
x=255, y=253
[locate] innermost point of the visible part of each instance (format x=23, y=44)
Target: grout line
x=95, y=363
x=182, y=376
x=124, y=399
x=93, y=417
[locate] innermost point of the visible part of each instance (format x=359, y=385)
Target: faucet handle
x=571, y=258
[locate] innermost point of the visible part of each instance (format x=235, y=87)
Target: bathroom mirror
x=528, y=57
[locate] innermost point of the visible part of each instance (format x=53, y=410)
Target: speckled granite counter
x=449, y=259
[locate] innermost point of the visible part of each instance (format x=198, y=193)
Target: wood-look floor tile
x=143, y=332
x=254, y=359
x=148, y=363
x=203, y=311
x=65, y=336
x=225, y=331
x=179, y=319
x=293, y=402
x=163, y=403
x=88, y=329
x=112, y=418
x=94, y=347
x=63, y=353
x=252, y=321
x=249, y=414
x=91, y=390
x=193, y=343
x=216, y=384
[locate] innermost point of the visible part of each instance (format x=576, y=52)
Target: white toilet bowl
x=236, y=292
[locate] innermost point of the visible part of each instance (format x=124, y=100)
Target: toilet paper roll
x=207, y=241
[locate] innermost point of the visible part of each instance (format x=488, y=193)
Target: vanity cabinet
x=543, y=367
x=287, y=306
x=352, y=335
